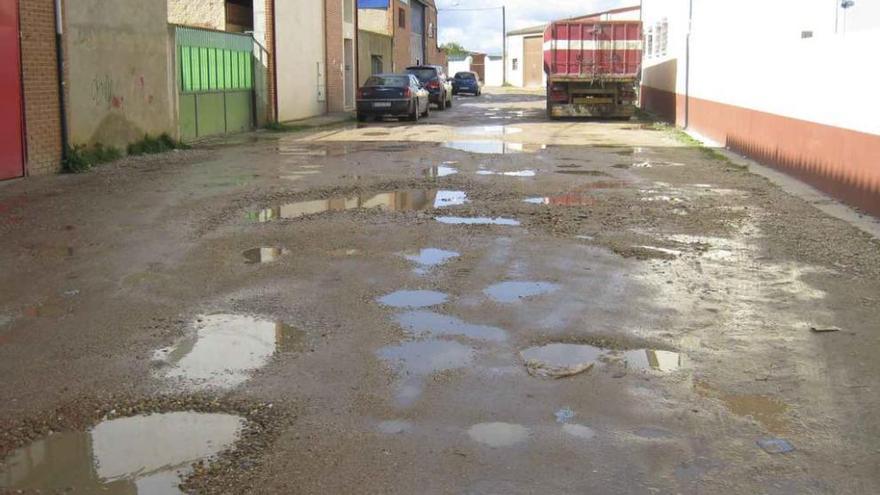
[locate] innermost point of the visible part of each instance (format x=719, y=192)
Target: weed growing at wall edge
x=81, y=157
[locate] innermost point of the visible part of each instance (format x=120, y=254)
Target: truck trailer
x=592, y=68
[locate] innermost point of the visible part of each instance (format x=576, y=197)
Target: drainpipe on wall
x=59, y=66
x=687, y=66
x=274, y=62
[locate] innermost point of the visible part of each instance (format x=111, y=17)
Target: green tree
x=454, y=49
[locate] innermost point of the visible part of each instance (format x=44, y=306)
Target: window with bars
x=214, y=69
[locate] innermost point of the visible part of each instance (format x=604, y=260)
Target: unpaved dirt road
x=482, y=303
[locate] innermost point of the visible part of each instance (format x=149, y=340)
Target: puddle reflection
x=430, y=257
x=559, y=360
x=264, y=254
x=225, y=349
x=477, y=221
x=487, y=130
x=410, y=200
x=124, y=456
x=514, y=291
x=570, y=199
x=493, y=147
x=434, y=324
x=498, y=434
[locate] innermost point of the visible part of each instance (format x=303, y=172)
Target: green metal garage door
x=216, y=83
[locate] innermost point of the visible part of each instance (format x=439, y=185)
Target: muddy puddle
x=224, y=349
x=515, y=290
x=570, y=199
x=427, y=323
x=411, y=200
x=394, y=427
x=512, y=173
x=578, y=431
x=487, y=130
x=440, y=171
x=413, y=299
x=264, y=254
x=428, y=258
x=560, y=360
x=492, y=147
x=477, y=221
x=498, y=434
x=413, y=361
x=766, y=410
x=134, y=455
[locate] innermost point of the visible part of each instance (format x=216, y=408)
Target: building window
x=515, y=64
x=376, y=64
x=401, y=18
x=430, y=30
x=662, y=36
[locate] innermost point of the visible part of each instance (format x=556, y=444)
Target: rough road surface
x=484, y=302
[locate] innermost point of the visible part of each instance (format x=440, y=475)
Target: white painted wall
x=299, y=32
x=750, y=53
x=494, y=71
x=454, y=66
x=515, y=51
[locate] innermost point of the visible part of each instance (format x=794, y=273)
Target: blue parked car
x=466, y=82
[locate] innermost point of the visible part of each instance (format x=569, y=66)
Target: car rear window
x=423, y=74
x=394, y=81
x=464, y=75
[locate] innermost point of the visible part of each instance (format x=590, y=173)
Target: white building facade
x=783, y=82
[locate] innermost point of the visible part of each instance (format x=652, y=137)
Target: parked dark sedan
x=433, y=78
x=392, y=95
x=466, y=82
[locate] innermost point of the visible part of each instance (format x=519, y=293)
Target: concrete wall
x=210, y=14
x=379, y=21
x=119, y=70
x=369, y=44
x=299, y=42
x=454, y=66
x=515, y=52
x=797, y=103
x=42, y=108
x=494, y=71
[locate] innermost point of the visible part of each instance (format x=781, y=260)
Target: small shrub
x=158, y=144
x=81, y=157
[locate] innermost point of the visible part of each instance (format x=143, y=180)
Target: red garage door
x=11, y=148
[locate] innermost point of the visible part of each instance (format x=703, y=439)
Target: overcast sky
x=480, y=31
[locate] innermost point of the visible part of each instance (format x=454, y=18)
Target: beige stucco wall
x=370, y=44
x=375, y=21
x=119, y=59
x=209, y=14
x=299, y=43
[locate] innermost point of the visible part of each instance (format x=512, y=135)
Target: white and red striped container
x=591, y=50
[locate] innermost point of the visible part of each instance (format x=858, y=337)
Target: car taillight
x=361, y=93
x=434, y=84
x=407, y=93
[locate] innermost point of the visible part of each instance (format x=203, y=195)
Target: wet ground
x=484, y=302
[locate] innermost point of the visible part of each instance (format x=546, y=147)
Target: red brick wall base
x=840, y=162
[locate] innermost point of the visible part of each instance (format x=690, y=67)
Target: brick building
x=403, y=30
x=31, y=116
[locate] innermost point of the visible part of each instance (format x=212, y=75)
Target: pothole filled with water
x=412, y=361
x=134, y=455
x=413, y=299
x=570, y=199
x=477, y=221
x=493, y=147
x=512, y=173
x=559, y=360
x=440, y=171
x=498, y=434
x=264, y=254
x=224, y=349
x=515, y=290
x=410, y=200
x=487, y=130
x=437, y=325
x=428, y=258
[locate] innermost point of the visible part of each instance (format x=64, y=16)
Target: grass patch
x=158, y=144
x=81, y=157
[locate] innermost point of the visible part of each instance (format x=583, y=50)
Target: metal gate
x=11, y=126
x=216, y=82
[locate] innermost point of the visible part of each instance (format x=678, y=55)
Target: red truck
x=592, y=68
